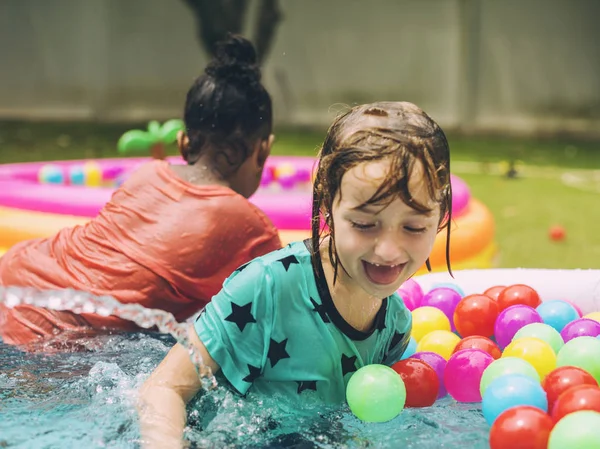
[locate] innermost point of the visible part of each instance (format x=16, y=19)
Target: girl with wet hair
x=300, y=321
x=171, y=234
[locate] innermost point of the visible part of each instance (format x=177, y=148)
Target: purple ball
x=511, y=320
x=409, y=299
x=463, y=373
x=438, y=363
x=445, y=299
x=582, y=327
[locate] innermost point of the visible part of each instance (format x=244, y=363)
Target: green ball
x=376, y=393
x=504, y=366
x=577, y=430
x=543, y=332
x=582, y=352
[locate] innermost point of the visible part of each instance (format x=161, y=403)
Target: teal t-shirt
x=275, y=328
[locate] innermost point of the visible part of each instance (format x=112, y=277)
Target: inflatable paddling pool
x=38, y=199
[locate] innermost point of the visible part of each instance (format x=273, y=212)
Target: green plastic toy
x=153, y=140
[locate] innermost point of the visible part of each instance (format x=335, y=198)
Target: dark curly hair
x=398, y=131
x=227, y=108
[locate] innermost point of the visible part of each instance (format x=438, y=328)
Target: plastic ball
x=582, y=327
x=463, y=374
x=413, y=288
x=267, y=177
x=505, y=366
x=582, y=352
x=563, y=378
x=518, y=294
x=93, y=174
x=593, y=316
x=478, y=342
x=438, y=363
x=76, y=175
x=535, y=351
x=451, y=285
x=410, y=349
x=521, y=427
x=543, y=332
x=51, y=174
x=494, y=292
x=426, y=320
x=409, y=299
x=476, y=315
x=511, y=320
x=557, y=313
x=441, y=342
x=376, y=393
x=421, y=381
x=557, y=233
x=579, y=430
x=510, y=391
x=579, y=397
x=445, y=299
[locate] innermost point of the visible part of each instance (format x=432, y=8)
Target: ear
x=183, y=143
x=264, y=150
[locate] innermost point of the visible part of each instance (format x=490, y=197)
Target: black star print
x=254, y=372
x=306, y=385
x=241, y=315
x=348, y=364
x=277, y=351
x=397, y=338
x=320, y=309
x=287, y=261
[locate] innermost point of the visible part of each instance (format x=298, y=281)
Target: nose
x=389, y=248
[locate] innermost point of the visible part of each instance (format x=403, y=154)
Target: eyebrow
x=374, y=210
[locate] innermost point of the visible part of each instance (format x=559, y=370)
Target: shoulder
x=280, y=261
x=398, y=312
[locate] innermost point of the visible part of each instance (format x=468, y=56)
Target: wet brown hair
x=398, y=131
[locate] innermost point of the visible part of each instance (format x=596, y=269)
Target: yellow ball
x=284, y=169
x=440, y=342
x=92, y=173
x=535, y=351
x=428, y=319
x=593, y=316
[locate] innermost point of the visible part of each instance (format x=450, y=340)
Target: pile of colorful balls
x=534, y=366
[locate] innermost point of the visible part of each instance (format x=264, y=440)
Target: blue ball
x=454, y=287
x=51, y=174
x=410, y=349
x=76, y=175
x=509, y=391
x=557, y=313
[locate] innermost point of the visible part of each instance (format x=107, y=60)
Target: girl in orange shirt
x=171, y=234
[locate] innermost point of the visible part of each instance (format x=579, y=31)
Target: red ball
x=479, y=342
x=421, y=381
x=579, y=397
x=494, y=291
x=557, y=233
x=522, y=427
x=561, y=379
x=476, y=315
x=518, y=294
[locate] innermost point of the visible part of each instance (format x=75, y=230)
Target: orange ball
x=494, y=292
x=518, y=294
x=557, y=233
x=476, y=315
x=479, y=342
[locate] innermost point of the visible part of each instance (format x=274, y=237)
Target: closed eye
x=415, y=230
x=362, y=226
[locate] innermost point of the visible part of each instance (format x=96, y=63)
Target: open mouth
x=382, y=274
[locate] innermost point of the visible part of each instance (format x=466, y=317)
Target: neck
x=202, y=172
x=355, y=305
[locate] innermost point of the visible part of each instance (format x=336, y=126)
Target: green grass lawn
x=524, y=208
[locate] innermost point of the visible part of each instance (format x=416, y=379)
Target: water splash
x=81, y=302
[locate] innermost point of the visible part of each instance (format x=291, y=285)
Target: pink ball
x=575, y=306
x=412, y=291
x=511, y=320
x=445, y=299
x=463, y=372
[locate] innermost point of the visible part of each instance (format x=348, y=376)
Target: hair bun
x=235, y=61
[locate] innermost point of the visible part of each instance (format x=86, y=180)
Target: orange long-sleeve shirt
x=159, y=242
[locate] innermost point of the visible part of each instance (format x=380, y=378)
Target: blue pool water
x=84, y=395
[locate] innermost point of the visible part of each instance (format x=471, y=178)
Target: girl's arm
x=163, y=397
